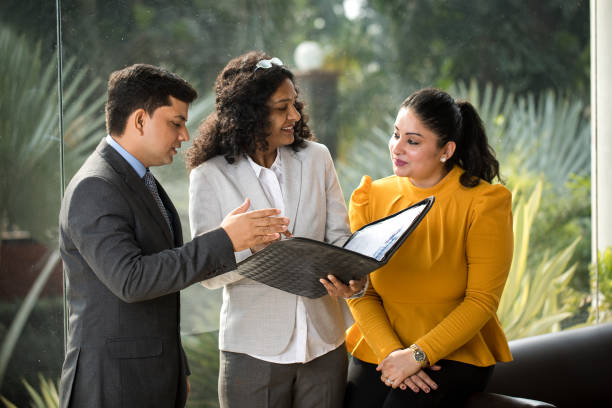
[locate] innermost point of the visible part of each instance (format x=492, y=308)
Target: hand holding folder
x=295, y=265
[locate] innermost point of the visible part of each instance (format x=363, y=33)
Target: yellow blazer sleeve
x=368, y=310
x=489, y=248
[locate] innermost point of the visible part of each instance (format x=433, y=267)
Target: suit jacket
x=124, y=271
x=256, y=318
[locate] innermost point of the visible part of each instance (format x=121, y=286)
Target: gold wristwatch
x=419, y=356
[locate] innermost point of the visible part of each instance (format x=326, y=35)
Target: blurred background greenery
x=525, y=66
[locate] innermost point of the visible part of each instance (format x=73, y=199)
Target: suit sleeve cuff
x=218, y=247
x=226, y=249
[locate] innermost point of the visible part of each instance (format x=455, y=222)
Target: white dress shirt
x=305, y=344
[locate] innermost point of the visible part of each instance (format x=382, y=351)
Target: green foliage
x=46, y=397
x=544, y=137
x=10, y=340
x=203, y=355
x=530, y=303
x=390, y=49
x=526, y=47
x=39, y=349
x=547, y=134
x=426, y=42
x=560, y=221
x=29, y=134
x=602, y=286
x=605, y=274
x=366, y=156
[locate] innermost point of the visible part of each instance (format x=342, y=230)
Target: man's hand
x=258, y=248
x=335, y=287
x=249, y=229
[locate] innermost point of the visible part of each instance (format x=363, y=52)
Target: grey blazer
x=255, y=318
x=124, y=270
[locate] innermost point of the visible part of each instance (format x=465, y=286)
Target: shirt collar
x=257, y=168
x=138, y=167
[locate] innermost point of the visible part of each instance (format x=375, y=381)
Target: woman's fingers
x=390, y=382
x=396, y=383
x=418, y=381
x=410, y=384
x=335, y=287
x=331, y=290
x=427, y=379
x=357, y=285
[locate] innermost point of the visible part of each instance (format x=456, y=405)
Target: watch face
x=419, y=355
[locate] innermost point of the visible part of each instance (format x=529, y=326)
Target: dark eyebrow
x=410, y=133
x=181, y=117
x=284, y=100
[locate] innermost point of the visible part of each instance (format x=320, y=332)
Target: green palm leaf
x=29, y=133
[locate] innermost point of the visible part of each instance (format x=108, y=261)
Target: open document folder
x=296, y=264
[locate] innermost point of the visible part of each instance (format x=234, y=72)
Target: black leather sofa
x=568, y=369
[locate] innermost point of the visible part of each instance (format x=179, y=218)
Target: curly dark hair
x=240, y=121
x=459, y=122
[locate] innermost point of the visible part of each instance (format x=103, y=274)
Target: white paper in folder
x=375, y=240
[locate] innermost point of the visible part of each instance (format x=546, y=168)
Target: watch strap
x=419, y=355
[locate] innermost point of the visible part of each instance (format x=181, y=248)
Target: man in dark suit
x=121, y=244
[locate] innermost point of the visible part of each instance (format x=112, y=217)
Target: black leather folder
x=296, y=264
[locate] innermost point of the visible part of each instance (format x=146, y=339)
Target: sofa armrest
x=568, y=368
x=491, y=400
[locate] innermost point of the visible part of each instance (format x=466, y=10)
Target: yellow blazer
x=441, y=289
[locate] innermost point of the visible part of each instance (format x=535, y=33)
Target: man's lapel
x=136, y=184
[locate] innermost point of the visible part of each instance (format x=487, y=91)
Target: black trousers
x=456, y=381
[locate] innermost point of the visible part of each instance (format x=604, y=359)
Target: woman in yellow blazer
x=435, y=302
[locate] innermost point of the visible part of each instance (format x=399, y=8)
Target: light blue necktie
x=149, y=181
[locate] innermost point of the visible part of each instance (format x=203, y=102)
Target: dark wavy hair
x=240, y=121
x=457, y=121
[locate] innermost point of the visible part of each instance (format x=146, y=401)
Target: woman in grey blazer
x=277, y=349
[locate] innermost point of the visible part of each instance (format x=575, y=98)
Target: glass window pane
x=31, y=311
x=524, y=67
